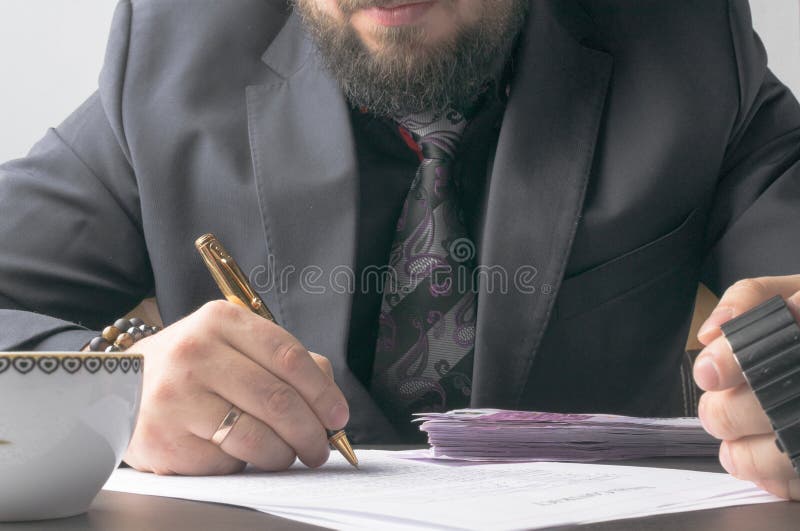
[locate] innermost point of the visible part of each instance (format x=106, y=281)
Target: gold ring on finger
x=225, y=427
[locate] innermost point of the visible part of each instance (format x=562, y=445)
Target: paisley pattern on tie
x=424, y=352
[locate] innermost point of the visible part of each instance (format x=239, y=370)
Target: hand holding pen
x=236, y=289
x=224, y=387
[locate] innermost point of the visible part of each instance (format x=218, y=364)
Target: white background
x=51, y=52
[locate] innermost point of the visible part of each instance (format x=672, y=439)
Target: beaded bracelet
x=121, y=335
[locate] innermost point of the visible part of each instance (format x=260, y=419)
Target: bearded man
x=503, y=203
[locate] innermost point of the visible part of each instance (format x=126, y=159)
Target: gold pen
x=237, y=289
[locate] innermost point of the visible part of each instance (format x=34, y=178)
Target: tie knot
x=437, y=134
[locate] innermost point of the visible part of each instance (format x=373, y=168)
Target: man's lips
x=400, y=14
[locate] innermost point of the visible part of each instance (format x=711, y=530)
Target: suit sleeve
x=754, y=227
x=73, y=254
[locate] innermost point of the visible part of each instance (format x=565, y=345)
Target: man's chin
x=401, y=41
x=396, y=69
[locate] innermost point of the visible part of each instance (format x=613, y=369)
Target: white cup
x=65, y=422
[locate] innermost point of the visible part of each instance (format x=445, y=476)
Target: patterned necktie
x=424, y=352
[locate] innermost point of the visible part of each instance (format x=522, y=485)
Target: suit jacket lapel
x=535, y=197
x=306, y=171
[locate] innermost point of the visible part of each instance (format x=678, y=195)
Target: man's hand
x=221, y=356
x=729, y=410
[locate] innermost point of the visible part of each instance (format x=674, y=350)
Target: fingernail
x=339, y=416
x=793, y=303
x=725, y=459
x=705, y=373
x=717, y=317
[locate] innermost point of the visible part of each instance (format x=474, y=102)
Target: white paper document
x=391, y=493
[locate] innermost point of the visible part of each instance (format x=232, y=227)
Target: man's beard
x=407, y=76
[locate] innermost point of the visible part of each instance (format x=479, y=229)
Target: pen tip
x=339, y=441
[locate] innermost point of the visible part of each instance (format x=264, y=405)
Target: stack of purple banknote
x=501, y=435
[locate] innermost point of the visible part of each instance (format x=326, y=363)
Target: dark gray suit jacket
x=645, y=147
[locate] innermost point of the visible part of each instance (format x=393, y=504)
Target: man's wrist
x=766, y=343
